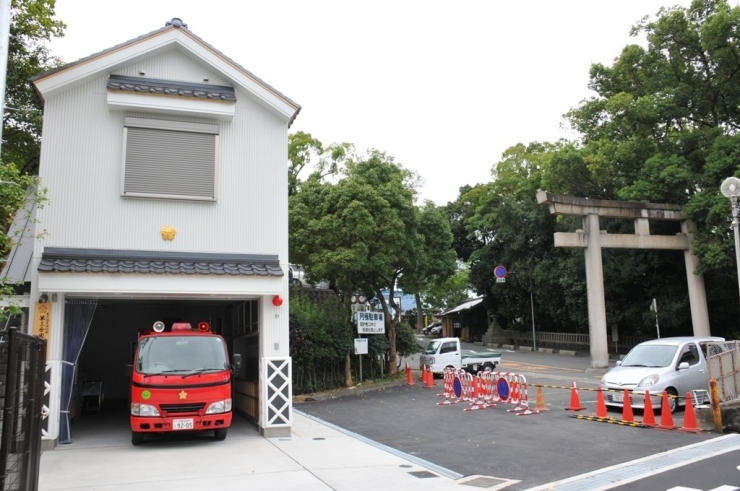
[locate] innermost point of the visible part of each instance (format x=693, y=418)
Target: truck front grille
x=183, y=408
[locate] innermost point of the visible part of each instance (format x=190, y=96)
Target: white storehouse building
x=165, y=168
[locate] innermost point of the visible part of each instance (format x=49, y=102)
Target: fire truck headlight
x=219, y=407
x=145, y=410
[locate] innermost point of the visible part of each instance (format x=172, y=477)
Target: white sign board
x=370, y=323
x=360, y=346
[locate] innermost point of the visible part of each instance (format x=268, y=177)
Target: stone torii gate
x=593, y=240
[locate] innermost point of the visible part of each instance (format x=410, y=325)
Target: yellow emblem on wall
x=168, y=233
x=183, y=395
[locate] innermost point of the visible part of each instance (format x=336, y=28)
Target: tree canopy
x=32, y=26
x=662, y=127
x=364, y=231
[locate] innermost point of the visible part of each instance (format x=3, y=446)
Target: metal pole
x=531, y=302
x=737, y=236
x=731, y=189
x=4, y=47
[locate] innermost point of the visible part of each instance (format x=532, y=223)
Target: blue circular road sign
x=500, y=271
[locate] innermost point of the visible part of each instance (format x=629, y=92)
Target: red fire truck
x=181, y=381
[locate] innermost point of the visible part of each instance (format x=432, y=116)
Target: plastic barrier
x=488, y=389
x=453, y=386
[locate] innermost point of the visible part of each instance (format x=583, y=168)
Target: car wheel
x=220, y=434
x=672, y=399
x=137, y=438
x=489, y=367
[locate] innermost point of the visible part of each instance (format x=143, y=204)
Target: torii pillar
x=593, y=240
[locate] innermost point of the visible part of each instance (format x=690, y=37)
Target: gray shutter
x=170, y=163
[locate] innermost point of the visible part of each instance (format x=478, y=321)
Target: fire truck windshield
x=179, y=354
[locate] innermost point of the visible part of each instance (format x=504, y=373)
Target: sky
x=442, y=87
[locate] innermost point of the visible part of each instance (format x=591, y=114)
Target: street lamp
x=731, y=189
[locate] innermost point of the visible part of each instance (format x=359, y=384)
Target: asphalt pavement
x=523, y=451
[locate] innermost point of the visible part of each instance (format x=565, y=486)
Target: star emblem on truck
x=183, y=395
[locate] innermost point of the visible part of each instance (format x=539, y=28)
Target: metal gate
x=22, y=366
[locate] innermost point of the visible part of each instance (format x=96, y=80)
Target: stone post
x=595, y=289
x=697, y=293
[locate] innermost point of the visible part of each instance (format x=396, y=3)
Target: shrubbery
x=320, y=338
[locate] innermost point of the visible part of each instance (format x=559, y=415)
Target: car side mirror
x=237, y=361
x=683, y=366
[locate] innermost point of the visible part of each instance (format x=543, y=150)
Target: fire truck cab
x=181, y=381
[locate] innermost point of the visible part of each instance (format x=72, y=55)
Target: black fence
x=22, y=365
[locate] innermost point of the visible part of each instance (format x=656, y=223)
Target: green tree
x=305, y=151
x=446, y=294
x=362, y=231
x=663, y=127
x=438, y=261
x=32, y=26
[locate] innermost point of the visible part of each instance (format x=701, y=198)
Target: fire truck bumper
x=158, y=424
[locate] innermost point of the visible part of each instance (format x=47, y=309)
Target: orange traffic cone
x=540, y=405
x=689, y=419
x=601, y=405
x=648, y=417
x=430, y=379
x=627, y=414
x=575, y=403
x=666, y=418
x=409, y=375
x=423, y=378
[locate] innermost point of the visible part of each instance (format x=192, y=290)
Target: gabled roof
x=464, y=306
x=175, y=33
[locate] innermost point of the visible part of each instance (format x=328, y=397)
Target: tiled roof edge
x=62, y=260
x=171, y=87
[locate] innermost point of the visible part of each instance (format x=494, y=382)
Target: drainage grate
x=484, y=482
x=423, y=474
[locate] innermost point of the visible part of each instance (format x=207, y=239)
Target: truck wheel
x=489, y=367
x=220, y=434
x=137, y=438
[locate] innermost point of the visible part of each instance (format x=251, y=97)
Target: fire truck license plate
x=182, y=424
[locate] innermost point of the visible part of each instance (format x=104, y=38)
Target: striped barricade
x=449, y=376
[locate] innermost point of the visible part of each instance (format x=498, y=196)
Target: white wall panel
x=173, y=65
x=81, y=156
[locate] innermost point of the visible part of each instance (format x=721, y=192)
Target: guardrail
x=571, y=339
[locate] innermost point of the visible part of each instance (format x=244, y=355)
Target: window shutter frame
x=169, y=160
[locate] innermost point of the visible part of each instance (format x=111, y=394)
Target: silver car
x=675, y=365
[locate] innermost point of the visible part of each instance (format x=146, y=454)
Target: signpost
x=367, y=323
x=500, y=273
x=370, y=323
x=361, y=349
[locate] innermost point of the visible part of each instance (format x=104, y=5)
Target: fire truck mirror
x=237, y=361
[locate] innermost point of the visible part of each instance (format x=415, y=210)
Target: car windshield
x=650, y=355
x=180, y=354
x=432, y=347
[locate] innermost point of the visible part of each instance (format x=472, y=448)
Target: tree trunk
x=393, y=368
x=348, y=371
x=419, y=313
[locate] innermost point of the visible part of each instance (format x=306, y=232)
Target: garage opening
x=101, y=387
